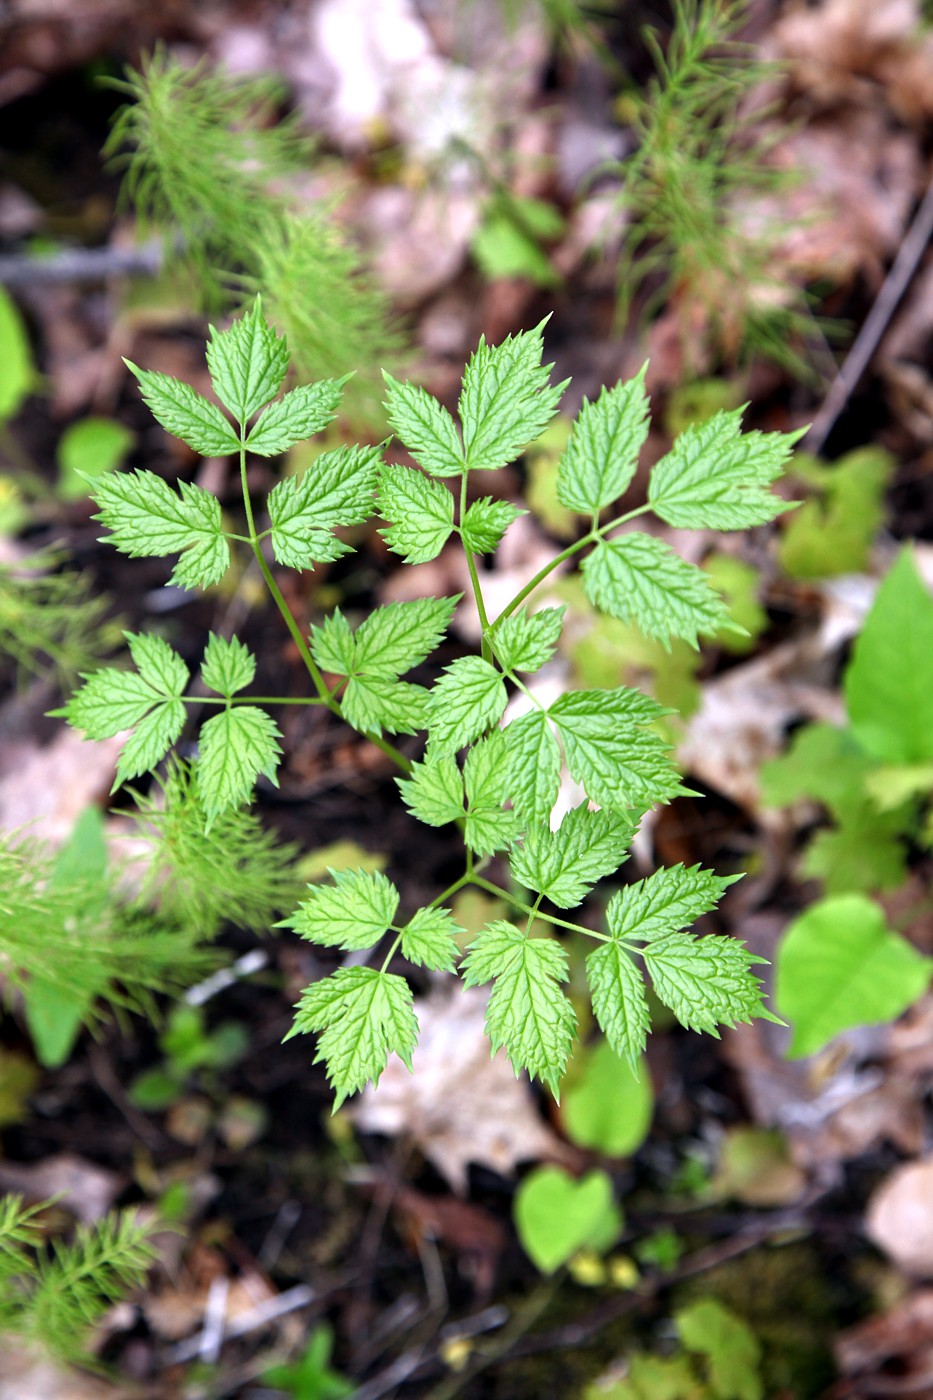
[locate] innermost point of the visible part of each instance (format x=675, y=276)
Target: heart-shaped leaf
x=557, y=1215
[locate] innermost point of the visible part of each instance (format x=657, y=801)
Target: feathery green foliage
x=52, y=1295
x=52, y=620
x=715, y=477
x=209, y=164
x=694, y=188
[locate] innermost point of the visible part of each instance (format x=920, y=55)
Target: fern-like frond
x=74, y=933
x=52, y=620
x=51, y=1296
x=236, y=872
x=208, y=164
x=694, y=187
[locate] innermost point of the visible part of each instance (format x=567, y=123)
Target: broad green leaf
x=524, y=643
x=717, y=477
x=337, y=489
x=299, y=415
x=485, y=773
x=420, y=513
x=839, y=966
x=148, y=701
x=607, y=1104
x=866, y=852
x=506, y=400
x=434, y=791
x=248, y=363
x=619, y=761
x=557, y=1215
x=619, y=1001
x=527, y=1012
x=706, y=982
x=468, y=698
x=88, y=449
x=235, y=747
x=602, y=454
x=399, y=636
x=148, y=518
x=564, y=865
x=734, y=1354
x=823, y=763
x=666, y=902
x=889, y=681
x=833, y=530
x=352, y=913
x=185, y=413
x=486, y=522
x=17, y=371
x=228, y=666
x=533, y=767
x=333, y=645
x=362, y=1016
x=429, y=939
x=373, y=703
x=640, y=579
x=425, y=428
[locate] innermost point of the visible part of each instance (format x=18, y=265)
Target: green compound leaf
x=889, y=681
x=248, y=363
x=362, y=1016
x=352, y=913
x=709, y=1329
x=235, y=747
x=434, y=791
x=506, y=401
x=533, y=766
x=602, y=454
x=228, y=666
x=148, y=701
x=429, y=940
x=641, y=580
x=485, y=774
x=619, y=1001
x=527, y=1012
x=147, y=518
x=297, y=416
x=667, y=901
x=839, y=966
x=399, y=636
x=619, y=761
x=185, y=413
x=337, y=489
x=717, y=477
x=420, y=513
x=564, y=865
x=373, y=703
x=486, y=522
x=425, y=428
x=523, y=643
x=706, y=982
x=467, y=699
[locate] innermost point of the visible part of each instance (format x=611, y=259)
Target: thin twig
x=80, y=265
x=866, y=342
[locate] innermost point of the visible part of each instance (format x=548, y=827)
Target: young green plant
x=500, y=797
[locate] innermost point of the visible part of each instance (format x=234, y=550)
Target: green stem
x=474, y=574
x=593, y=537
x=254, y=700
x=326, y=698
x=497, y=890
x=465, y=879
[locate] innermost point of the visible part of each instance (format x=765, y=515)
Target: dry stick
x=81, y=265
x=866, y=342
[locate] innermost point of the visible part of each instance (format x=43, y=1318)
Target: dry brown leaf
x=44, y=788
x=899, y=1219
x=23, y=1377
x=85, y=1189
x=459, y=1105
